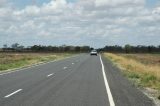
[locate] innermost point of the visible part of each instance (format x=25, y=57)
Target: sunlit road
x=82, y=80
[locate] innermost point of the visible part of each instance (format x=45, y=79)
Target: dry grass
x=147, y=59
x=143, y=69
x=15, y=60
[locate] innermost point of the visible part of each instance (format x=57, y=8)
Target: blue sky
x=152, y=3
x=23, y=3
x=86, y=22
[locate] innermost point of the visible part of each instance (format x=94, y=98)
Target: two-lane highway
x=82, y=80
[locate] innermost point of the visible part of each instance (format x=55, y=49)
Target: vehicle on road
x=94, y=52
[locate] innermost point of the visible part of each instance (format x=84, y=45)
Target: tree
x=150, y=49
x=85, y=49
x=36, y=48
x=127, y=48
x=77, y=49
x=5, y=47
x=21, y=47
x=15, y=46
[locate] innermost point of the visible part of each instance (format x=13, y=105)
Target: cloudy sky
x=80, y=22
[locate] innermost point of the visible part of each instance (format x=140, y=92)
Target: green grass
x=12, y=60
x=12, y=65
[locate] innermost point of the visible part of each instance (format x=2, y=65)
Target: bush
x=159, y=97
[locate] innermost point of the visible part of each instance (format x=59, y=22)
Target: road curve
x=75, y=81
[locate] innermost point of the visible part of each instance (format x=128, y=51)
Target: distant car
x=93, y=52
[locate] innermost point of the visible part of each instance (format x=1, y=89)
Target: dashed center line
x=50, y=75
x=31, y=66
x=7, y=96
x=65, y=68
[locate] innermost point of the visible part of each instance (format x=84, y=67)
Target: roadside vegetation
x=142, y=69
x=16, y=60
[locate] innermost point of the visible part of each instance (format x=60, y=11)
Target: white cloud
x=3, y=2
x=29, y=10
x=55, y=4
x=118, y=2
x=92, y=22
x=156, y=11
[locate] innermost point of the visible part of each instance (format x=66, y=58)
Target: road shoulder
x=124, y=92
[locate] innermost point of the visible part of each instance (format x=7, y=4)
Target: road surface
x=82, y=80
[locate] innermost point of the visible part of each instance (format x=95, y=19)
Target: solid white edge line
x=50, y=75
x=13, y=93
x=110, y=97
x=34, y=65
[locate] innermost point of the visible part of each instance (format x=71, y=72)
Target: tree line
x=131, y=49
x=41, y=48
x=65, y=48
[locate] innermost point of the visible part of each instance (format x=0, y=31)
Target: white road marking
x=50, y=75
x=72, y=63
x=34, y=65
x=7, y=96
x=110, y=97
x=9, y=72
x=65, y=68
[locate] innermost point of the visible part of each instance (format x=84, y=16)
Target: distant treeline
x=40, y=48
x=64, y=48
x=131, y=49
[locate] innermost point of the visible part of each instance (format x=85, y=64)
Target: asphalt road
x=82, y=80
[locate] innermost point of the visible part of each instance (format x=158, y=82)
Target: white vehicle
x=93, y=52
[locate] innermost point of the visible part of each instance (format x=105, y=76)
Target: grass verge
x=16, y=60
x=142, y=74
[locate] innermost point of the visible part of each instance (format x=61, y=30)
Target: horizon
x=64, y=45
